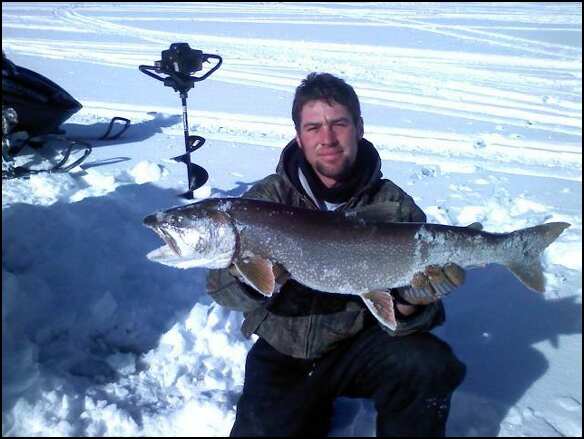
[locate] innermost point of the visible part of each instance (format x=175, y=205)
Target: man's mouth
x=330, y=155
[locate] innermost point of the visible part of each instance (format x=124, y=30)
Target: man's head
x=327, y=117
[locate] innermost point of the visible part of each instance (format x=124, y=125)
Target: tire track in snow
x=485, y=103
x=535, y=47
x=497, y=89
x=453, y=152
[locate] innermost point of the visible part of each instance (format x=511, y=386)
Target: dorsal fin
x=475, y=226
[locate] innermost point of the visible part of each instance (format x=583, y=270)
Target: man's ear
x=360, y=129
x=299, y=142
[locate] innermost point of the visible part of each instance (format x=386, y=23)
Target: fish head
x=194, y=235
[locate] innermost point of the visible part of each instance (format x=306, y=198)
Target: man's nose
x=327, y=135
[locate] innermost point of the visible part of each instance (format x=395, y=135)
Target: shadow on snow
x=78, y=287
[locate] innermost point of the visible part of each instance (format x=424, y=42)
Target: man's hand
x=432, y=284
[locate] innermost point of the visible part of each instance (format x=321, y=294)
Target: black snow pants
x=409, y=378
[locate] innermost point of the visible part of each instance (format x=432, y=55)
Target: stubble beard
x=338, y=173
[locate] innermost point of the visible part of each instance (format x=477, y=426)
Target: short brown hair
x=328, y=88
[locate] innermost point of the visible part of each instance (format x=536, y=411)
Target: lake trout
x=354, y=252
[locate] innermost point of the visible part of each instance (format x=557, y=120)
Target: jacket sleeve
x=223, y=287
x=228, y=291
x=407, y=211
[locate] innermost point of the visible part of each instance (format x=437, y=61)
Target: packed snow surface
x=475, y=108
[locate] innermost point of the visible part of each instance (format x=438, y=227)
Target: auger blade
x=198, y=176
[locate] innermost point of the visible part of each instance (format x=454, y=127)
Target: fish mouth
x=169, y=240
x=152, y=222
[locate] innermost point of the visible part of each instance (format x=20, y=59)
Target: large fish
x=347, y=253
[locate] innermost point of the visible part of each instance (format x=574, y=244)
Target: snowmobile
x=33, y=108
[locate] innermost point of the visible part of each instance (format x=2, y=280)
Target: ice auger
x=179, y=63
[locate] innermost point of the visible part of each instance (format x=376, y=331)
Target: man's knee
x=429, y=362
x=436, y=362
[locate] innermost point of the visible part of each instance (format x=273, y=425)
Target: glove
x=432, y=284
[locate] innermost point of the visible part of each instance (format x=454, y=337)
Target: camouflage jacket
x=301, y=322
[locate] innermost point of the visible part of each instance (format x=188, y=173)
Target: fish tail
x=528, y=245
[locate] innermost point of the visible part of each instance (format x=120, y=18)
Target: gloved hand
x=432, y=284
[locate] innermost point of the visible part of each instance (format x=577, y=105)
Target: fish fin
x=475, y=226
x=258, y=272
x=281, y=275
x=377, y=213
x=526, y=265
x=380, y=303
x=530, y=274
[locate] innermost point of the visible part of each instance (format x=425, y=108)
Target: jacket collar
x=291, y=169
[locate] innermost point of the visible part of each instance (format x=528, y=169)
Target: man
x=314, y=347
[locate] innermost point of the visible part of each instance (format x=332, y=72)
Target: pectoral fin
x=258, y=272
x=380, y=303
x=280, y=274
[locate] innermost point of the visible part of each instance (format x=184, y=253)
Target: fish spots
x=423, y=239
x=224, y=206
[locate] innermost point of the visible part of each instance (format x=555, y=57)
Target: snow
x=476, y=109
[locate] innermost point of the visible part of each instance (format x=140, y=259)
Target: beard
x=338, y=172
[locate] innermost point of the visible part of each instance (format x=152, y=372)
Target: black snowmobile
x=33, y=108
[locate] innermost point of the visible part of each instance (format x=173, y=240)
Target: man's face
x=329, y=138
